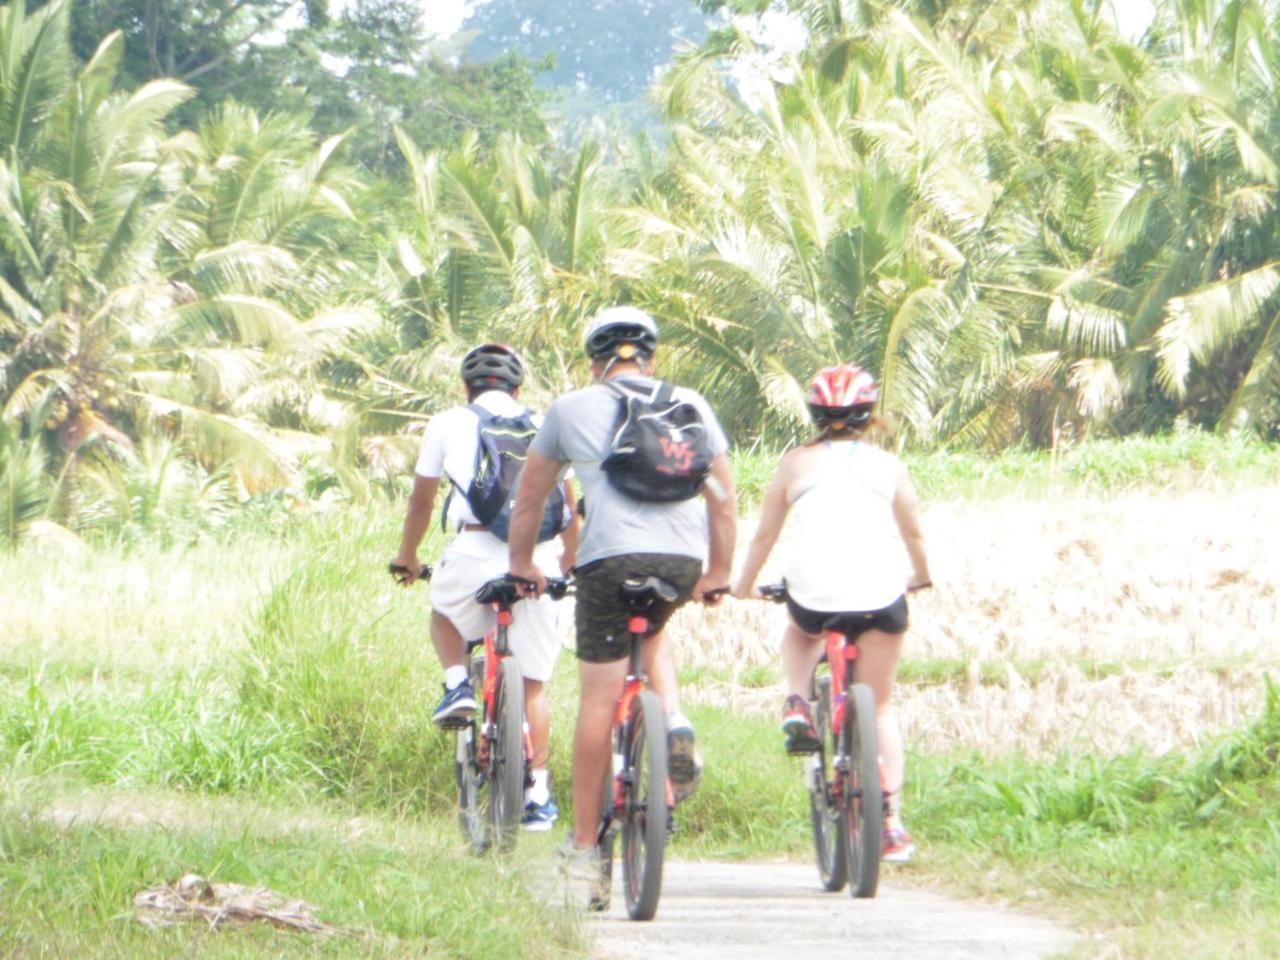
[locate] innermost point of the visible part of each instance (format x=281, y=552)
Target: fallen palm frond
x=195, y=898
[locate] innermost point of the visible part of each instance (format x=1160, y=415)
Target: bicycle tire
x=863, y=796
x=471, y=816
x=601, y=896
x=645, y=817
x=506, y=756
x=824, y=813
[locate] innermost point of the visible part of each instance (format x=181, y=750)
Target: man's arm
x=416, y=521
x=537, y=480
x=569, y=535
x=722, y=526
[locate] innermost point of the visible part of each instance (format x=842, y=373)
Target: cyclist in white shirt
x=492, y=374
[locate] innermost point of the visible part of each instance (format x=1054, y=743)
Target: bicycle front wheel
x=506, y=756
x=824, y=811
x=470, y=782
x=645, y=815
x=601, y=895
x=863, y=798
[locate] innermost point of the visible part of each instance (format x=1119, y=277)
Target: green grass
x=402, y=888
x=1174, y=855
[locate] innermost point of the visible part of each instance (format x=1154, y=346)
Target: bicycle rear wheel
x=506, y=755
x=863, y=805
x=824, y=812
x=645, y=816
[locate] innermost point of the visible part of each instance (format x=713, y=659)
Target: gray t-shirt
x=577, y=430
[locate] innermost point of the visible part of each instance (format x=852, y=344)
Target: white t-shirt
x=449, y=449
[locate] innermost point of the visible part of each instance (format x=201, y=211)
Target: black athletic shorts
x=600, y=616
x=852, y=623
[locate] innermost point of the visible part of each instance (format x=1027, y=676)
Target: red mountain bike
x=846, y=800
x=637, y=800
x=494, y=756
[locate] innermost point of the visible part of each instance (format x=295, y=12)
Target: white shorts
x=472, y=559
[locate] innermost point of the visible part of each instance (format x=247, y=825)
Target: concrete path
x=741, y=911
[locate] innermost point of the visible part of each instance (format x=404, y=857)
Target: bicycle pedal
x=454, y=723
x=802, y=746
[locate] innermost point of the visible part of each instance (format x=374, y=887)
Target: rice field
x=1098, y=624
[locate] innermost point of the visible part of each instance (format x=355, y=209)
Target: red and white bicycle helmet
x=842, y=397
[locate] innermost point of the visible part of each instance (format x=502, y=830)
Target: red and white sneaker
x=797, y=724
x=896, y=845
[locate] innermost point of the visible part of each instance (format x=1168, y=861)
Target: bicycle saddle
x=647, y=591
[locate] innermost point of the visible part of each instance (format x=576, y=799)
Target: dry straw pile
x=1094, y=624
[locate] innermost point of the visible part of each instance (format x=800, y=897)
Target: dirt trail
x=737, y=911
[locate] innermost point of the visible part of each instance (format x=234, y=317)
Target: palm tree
x=153, y=280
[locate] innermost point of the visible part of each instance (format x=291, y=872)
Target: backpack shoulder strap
x=664, y=393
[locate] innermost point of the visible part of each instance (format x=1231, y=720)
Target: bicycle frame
x=638, y=627
x=839, y=651
x=496, y=649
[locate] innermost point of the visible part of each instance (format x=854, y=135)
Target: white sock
x=453, y=676
x=540, y=792
x=678, y=719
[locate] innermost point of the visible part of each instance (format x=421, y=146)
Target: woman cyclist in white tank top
x=854, y=521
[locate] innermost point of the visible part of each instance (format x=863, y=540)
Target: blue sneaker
x=539, y=816
x=457, y=707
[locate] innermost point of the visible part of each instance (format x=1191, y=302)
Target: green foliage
x=24, y=489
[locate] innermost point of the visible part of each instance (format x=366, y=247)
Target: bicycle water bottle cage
x=643, y=593
x=502, y=591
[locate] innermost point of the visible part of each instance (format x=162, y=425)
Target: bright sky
x=444, y=17
x=1132, y=16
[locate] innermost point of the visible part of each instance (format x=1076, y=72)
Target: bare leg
x=800, y=654
x=538, y=714
x=659, y=658
x=601, y=685
x=877, y=666
x=450, y=647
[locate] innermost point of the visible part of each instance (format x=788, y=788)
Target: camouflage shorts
x=600, y=615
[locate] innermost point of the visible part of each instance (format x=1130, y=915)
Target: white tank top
x=847, y=553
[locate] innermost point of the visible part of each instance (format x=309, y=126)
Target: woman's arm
x=906, y=511
x=773, y=514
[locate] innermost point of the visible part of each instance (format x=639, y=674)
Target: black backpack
x=502, y=446
x=661, y=450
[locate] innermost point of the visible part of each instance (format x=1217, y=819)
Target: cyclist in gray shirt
x=623, y=538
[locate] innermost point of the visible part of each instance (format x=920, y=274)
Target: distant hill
x=609, y=47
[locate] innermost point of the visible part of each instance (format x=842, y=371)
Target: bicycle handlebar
x=777, y=592
x=401, y=572
x=506, y=590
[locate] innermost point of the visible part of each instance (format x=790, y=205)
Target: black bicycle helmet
x=492, y=365
x=611, y=328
